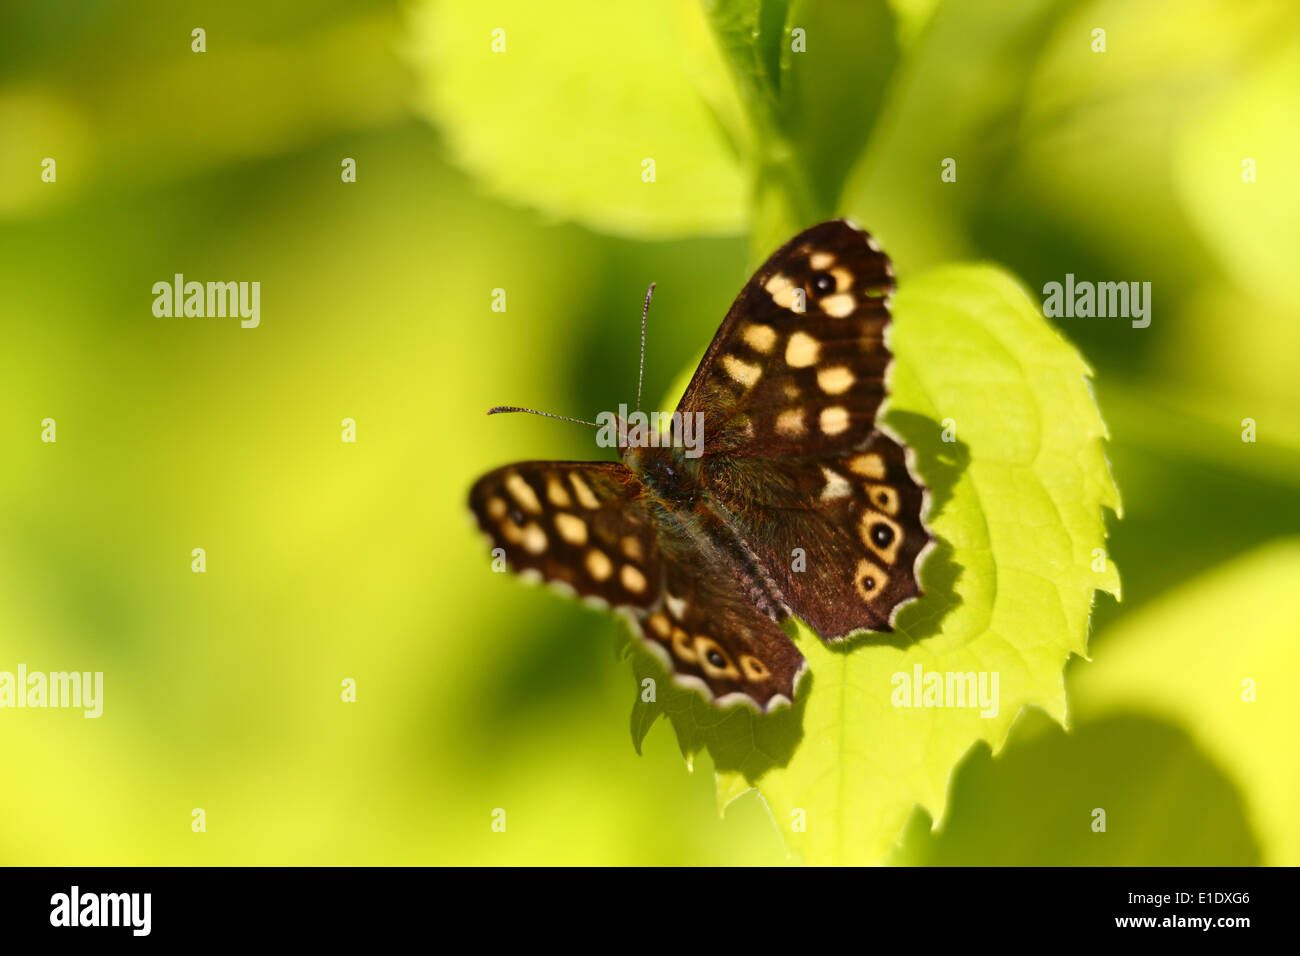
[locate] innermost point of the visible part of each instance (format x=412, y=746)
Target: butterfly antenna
x=501, y=409
x=640, y=375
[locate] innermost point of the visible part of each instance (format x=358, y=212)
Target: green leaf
x=831, y=93
x=750, y=33
x=1188, y=772
x=1158, y=90
x=912, y=15
x=563, y=118
x=812, y=100
x=1251, y=224
x=1251, y=228
x=1165, y=802
x=969, y=65
x=1186, y=657
x=1016, y=506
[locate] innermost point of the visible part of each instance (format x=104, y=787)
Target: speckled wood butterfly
x=798, y=504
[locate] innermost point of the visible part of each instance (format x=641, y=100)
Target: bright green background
x=328, y=560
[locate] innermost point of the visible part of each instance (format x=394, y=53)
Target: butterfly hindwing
x=798, y=365
x=587, y=527
x=711, y=634
x=841, y=535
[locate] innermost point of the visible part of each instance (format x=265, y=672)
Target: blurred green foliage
x=329, y=561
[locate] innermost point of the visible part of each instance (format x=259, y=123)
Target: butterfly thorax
x=678, y=497
x=666, y=473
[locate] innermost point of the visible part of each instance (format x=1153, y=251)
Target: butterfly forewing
x=798, y=366
x=790, y=390
x=581, y=525
x=588, y=527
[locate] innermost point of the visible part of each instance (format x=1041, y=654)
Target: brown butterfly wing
x=841, y=535
x=712, y=637
x=587, y=527
x=790, y=389
x=780, y=381
x=583, y=526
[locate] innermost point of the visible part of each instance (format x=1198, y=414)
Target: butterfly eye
x=882, y=534
x=823, y=282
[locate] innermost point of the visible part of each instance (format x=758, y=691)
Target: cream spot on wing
x=791, y=390
x=870, y=465
x=746, y=373
x=802, y=350
x=839, y=305
x=572, y=528
x=821, y=260
x=676, y=605
x=586, y=496
x=534, y=538
x=598, y=564
x=790, y=422
x=633, y=580
x=781, y=289
x=869, y=580
x=682, y=645
x=883, y=497
x=523, y=493
x=760, y=338
x=713, y=658
x=835, y=379
x=556, y=494
x=882, y=535
x=834, y=420
x=843, y=278
x=496, y=508
x=753, y=668
x=837, y=486
x=659, y=624
x=632, y=547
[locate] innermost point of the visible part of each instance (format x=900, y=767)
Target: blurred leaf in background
x=573, y=108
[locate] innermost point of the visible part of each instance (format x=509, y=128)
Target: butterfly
x=796, y=502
